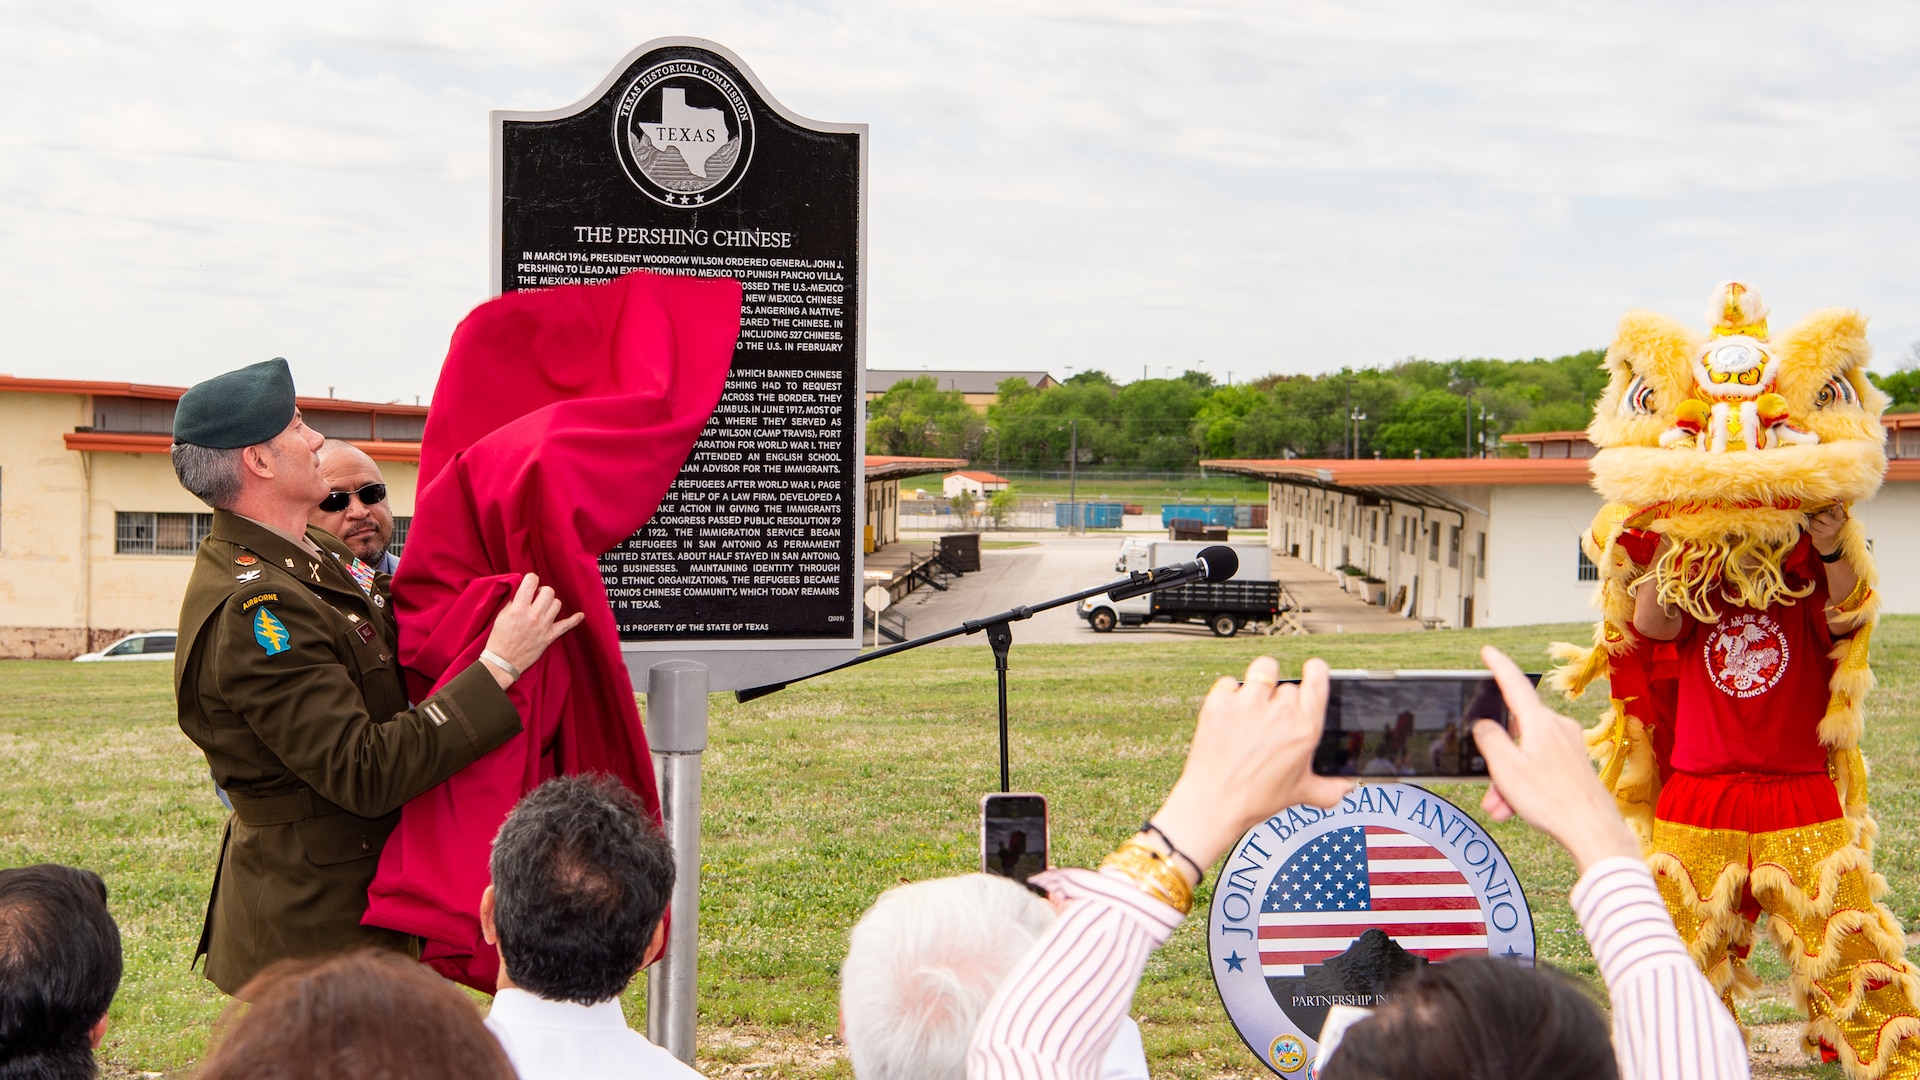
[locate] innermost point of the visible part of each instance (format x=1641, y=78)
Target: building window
x=1584, y=569
x=1480, y=554
x=1373, y=527
x=1433, y=541
x=399, y=535
x=1403, y=536
x=1453, y=546
x=159, y=534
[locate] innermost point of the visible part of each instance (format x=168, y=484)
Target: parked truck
x=1250, y=598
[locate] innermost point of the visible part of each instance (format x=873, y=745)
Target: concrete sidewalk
x=1330, y=608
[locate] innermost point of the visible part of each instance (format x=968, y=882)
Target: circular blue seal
x=1316, y=908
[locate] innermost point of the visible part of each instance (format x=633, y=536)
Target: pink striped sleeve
x=1061, y=1005
x=1667, y=1021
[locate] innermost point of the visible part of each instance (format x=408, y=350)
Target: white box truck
x=1251, y=597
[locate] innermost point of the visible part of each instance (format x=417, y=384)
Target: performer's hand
x=1546, y=777
x=1824, y=527
x=1252, y=756
x=526, y=626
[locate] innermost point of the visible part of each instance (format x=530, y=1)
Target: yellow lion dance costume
x=1733, y=754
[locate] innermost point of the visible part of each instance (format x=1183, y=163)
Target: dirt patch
x=1774, y=1051
x=763, y=1053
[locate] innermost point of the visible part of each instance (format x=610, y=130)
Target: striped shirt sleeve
x=1667, y=1021
x=1061, y=1005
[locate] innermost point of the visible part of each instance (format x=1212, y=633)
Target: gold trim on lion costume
x=1725, y=444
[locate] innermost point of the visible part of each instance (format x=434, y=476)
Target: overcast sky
x=1246, y=188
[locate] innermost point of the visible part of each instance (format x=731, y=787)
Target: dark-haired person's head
x=581, y=878
x=1478, y=1016
x=371, y=1013
x=59, y=967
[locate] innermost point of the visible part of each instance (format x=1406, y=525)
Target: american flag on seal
x=1348, y=880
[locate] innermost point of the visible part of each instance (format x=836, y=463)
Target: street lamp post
x=1354, y=417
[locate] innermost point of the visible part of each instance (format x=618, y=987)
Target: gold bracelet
x=1153, y=872
x=1856, y=599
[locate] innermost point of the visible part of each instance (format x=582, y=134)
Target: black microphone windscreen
x=1221, y=562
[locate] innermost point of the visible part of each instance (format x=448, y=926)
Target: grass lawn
x=818, y=798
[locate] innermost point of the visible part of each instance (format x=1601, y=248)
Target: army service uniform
x=286, y=677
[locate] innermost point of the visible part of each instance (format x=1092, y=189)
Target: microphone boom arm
x=1137, y=583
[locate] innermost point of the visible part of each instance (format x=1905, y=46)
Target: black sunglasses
x=371, y=495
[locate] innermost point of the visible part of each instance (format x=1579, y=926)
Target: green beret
x=240, y=408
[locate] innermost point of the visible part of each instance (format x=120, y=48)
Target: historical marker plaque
x=681, y=162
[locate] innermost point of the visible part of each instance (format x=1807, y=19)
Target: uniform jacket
x=286, y=677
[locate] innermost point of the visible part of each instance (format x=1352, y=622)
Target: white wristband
x=500, y=662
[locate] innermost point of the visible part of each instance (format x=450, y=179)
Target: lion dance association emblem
x=684, y=132
x=1317, y=908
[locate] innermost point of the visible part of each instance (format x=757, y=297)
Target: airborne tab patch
x=271, y=633
x=252, y=602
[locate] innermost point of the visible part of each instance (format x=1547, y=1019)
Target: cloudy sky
x=1243, y=187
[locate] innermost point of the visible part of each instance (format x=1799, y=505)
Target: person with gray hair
x=923, y=962
x=581, y=881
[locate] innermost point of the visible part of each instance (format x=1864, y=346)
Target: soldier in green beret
x=286, y=676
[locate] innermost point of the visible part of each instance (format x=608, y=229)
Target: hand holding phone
x=1013, y=835
x=1397, y=724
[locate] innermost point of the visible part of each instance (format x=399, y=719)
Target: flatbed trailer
x=1225, y=608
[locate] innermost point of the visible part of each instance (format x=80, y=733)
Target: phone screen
x=1407, y=723
x=1013, y=835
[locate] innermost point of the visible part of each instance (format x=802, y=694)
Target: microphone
x=1215, y=564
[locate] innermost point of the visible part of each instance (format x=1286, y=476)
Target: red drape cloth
x=560, y=420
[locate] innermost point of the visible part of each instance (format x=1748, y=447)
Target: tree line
x=1455, y=408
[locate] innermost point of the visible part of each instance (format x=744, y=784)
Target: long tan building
x=1496, y=541
x=97, y=537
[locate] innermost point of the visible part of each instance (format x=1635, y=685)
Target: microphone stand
x=999, y=630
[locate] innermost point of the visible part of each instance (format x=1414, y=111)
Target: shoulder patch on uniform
x=252, y=602
x=270, y=632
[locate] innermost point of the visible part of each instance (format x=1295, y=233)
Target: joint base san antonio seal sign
x=1316, y=908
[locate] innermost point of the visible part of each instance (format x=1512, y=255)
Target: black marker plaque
x=681, y=163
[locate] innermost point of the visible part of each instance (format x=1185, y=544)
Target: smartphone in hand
x=1013, y=835
x=1398, y=724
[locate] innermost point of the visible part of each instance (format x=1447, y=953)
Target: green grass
x=817, y=799
x=1149, y=494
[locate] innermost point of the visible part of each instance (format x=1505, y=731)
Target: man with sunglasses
x=356, y=508
x=287, y=677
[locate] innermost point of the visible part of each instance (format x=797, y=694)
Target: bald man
x=356, y=508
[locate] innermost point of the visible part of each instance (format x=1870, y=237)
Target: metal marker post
x=677, y=734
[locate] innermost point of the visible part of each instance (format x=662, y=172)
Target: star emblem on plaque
x=684, y=132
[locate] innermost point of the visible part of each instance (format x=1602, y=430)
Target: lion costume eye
x=1836, y=389
x=1638, y=400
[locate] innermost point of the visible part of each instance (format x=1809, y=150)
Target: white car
x=152, y=645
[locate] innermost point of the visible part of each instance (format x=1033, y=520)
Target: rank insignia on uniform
x=289, y=564
x=243, y=559
x=252, y=602
x=271, y=633
x=249, y=575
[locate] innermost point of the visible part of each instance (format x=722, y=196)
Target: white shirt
x=1060, y=1007
x=558, y=1040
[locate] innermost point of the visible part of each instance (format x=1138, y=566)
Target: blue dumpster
x=1200, y=514
x=1088, y=515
